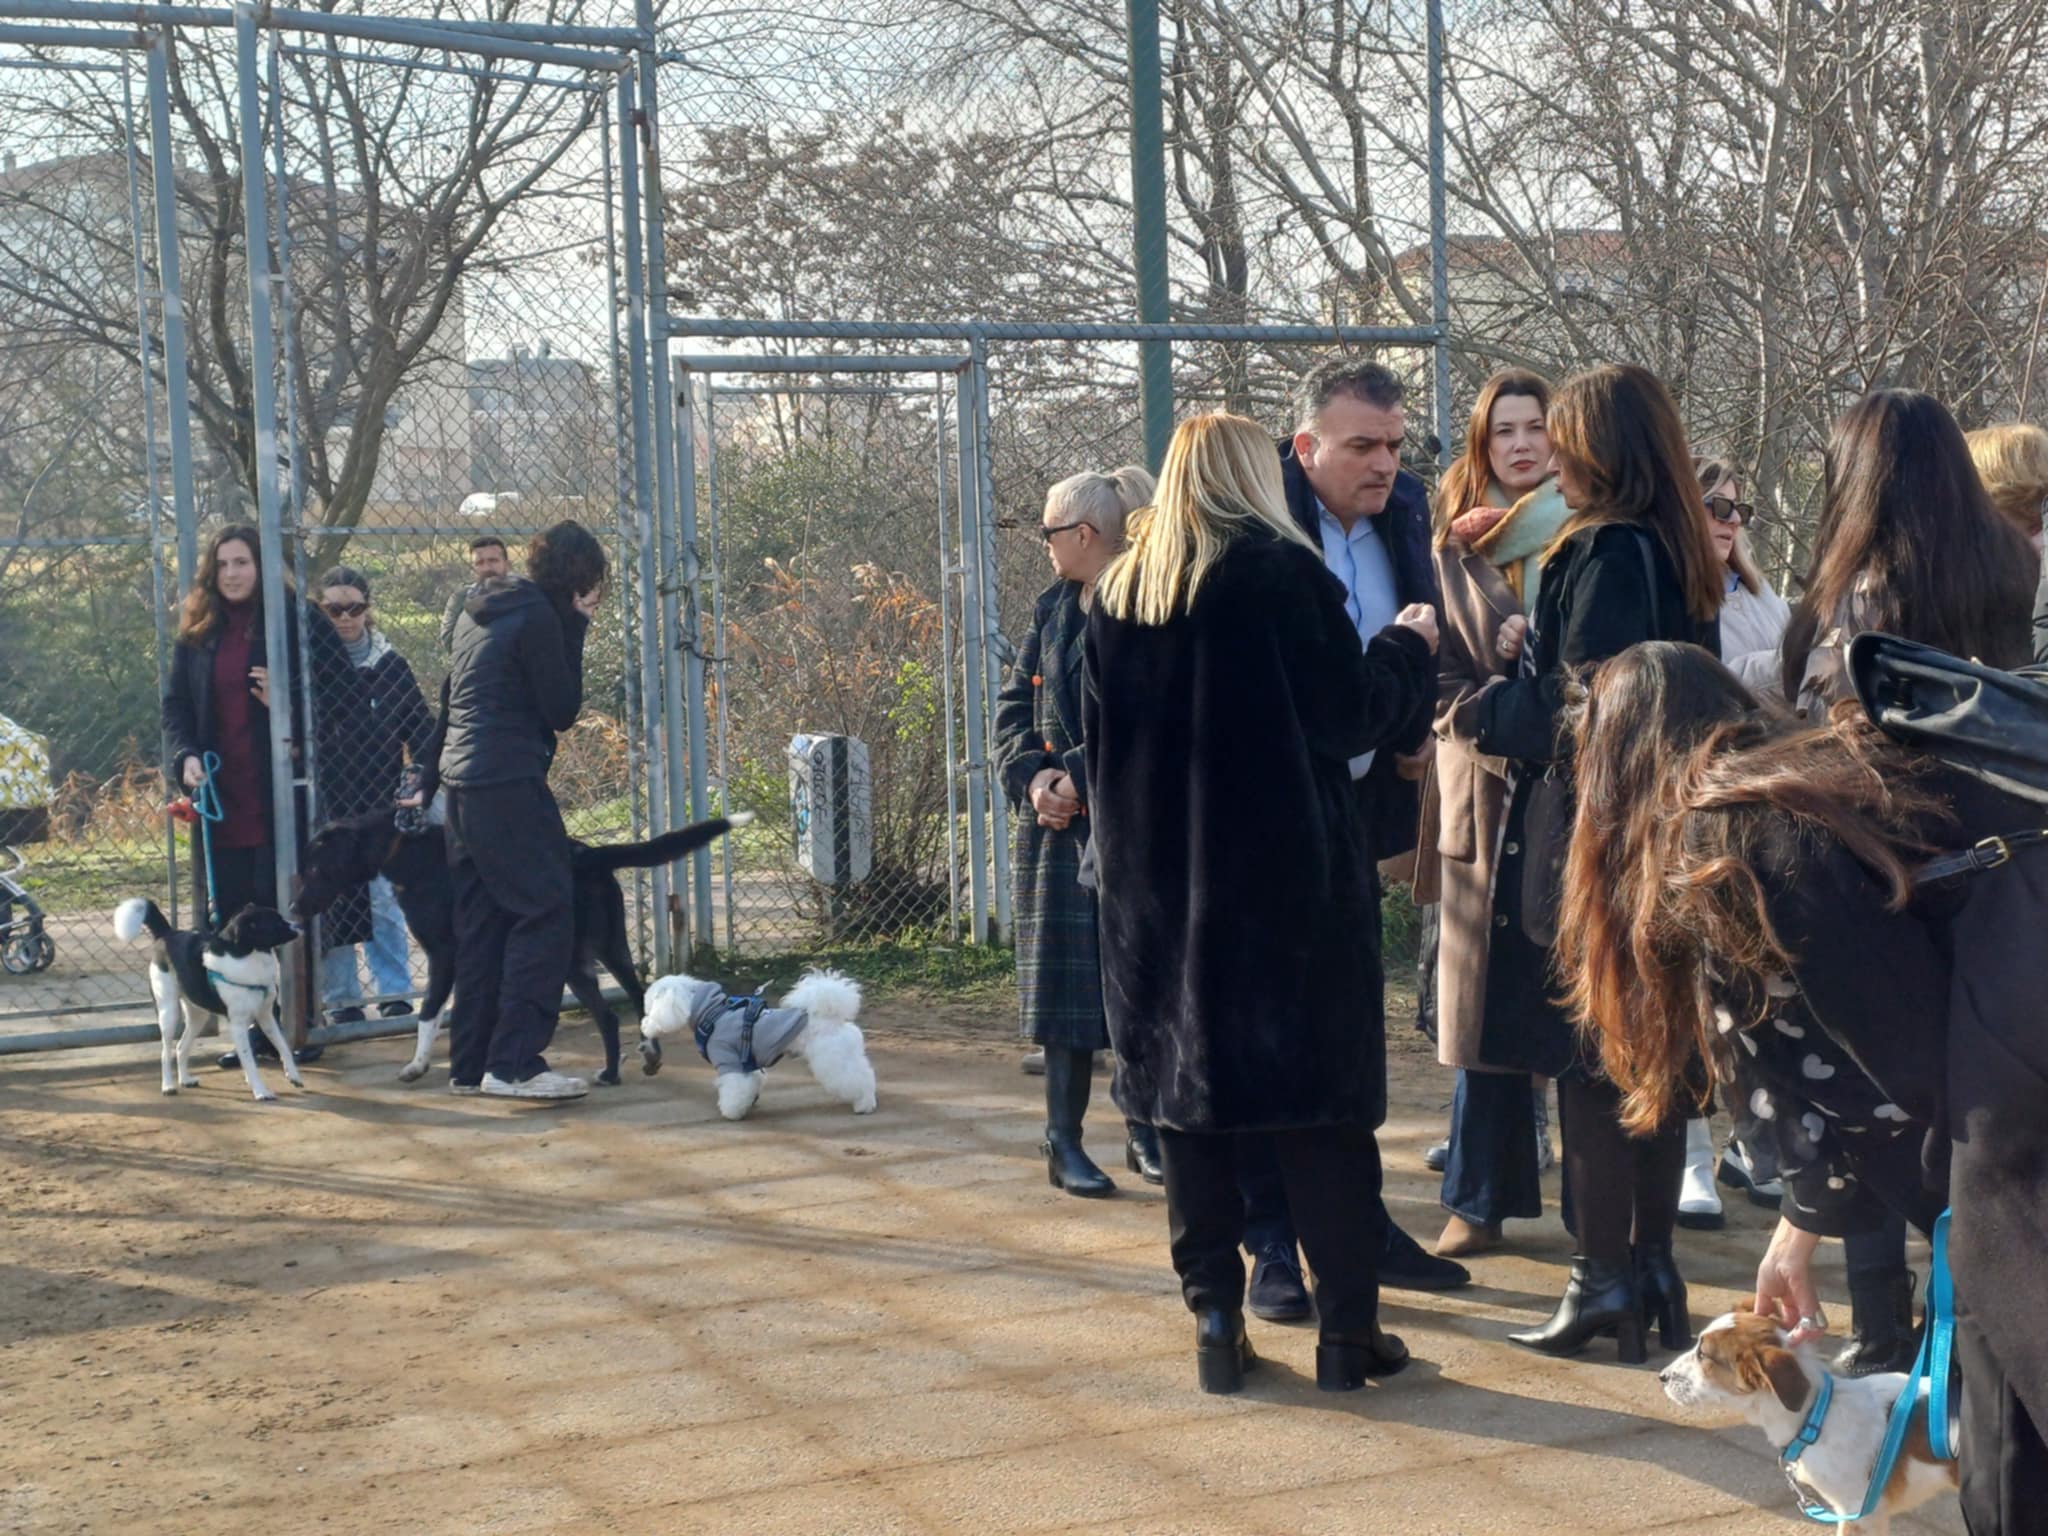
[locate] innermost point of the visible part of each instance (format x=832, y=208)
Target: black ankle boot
x=1882, y=1337
x=1068, y=1077
x=1222, y=1352
x=1597, y=1297
x=1141, y=1152
x=1343, y=1361
x=1662, y=1288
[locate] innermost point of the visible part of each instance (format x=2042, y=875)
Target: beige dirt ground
x=373, y=1308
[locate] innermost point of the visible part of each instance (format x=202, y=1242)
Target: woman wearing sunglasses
x=1753, y=618
x=365, y=754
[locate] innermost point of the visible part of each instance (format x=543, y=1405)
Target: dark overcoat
x=1038, y=726
x=1597, y=599
x=364, y=740
x=1392, y=804
x=1239, y=976
x=189, y=724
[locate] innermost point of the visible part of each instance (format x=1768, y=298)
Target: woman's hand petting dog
x=1784, y=1284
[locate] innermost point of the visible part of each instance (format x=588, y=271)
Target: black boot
x=1343, y=1361
x=1883, y=1337
x=1068, y=1077
x=1141, y=1152
x=1596, y=1298
x=1662, y=1288
x=1222, y=1352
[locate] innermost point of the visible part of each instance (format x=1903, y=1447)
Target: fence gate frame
x=975, y=569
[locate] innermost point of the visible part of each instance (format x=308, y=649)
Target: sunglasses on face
x=1722, y=510
x=1047, y=534
x=346, y=610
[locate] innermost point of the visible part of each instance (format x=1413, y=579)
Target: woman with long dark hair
x=1909, y=543
x=1498, y=512
x=1228, y=694
x=1633, y=562
x=1741, y=888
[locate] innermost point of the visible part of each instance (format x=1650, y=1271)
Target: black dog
x=231, y=972
x=348, y=853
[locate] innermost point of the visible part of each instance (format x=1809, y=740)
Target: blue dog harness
x=1932, y=1365
x=752, y=1008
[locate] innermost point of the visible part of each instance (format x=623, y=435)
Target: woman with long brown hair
x=1498, y=510
x=1633, y=562
x=1742, y=889
x=1909, y=543
x=1227, y=695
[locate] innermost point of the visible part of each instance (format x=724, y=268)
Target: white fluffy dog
x=742, y=1036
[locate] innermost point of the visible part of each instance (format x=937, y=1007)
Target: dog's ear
x=1745, y=1306
x=1777, y=1369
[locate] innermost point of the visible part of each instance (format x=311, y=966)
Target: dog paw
x=170, y=1090
x=190, y=1082
x=296, y=1082
x=266, y=1097
x=650, y=1057
x=609, y=1077
x=412, y=1071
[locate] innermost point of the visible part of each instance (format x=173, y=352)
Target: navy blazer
x=1394, y=804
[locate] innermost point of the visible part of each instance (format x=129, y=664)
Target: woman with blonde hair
x=2012, y=460
x=1227, y=695
x=1498, y=510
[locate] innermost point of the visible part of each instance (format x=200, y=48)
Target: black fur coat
x=1240, y=976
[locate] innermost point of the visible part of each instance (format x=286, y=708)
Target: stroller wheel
x=19, y=956
x=46, y=952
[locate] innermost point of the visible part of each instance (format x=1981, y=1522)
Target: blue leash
x=206, y=806
x=1931, y=1365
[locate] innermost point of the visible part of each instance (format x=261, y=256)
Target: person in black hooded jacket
x=515, y=680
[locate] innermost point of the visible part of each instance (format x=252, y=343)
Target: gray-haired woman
x=1038, y=732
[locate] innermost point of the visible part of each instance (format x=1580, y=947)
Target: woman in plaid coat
x=1038, y=734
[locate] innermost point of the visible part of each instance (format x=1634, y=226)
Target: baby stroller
x=24, y=818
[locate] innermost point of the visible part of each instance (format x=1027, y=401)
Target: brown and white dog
x=1742, y=1361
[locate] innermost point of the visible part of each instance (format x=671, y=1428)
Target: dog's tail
x=827, y=996
x=656, y=851
x=137, y=915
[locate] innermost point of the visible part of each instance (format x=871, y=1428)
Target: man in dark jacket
x=1370, y=518
x=515, y=680
x=487, y=562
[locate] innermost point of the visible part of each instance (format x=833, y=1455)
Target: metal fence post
x=947, y=571
x=991, y=625
x=1148, y=207
x=163, y=166
x=263, y=437
x=974, y=668
x=1439, y=258
x=653, y=632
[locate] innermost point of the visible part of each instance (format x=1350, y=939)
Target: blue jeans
x=390, y=965
x=1490, y=1175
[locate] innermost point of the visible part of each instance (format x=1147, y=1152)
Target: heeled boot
x=1068, y=1077
x=1662, y=1289
x=1599, y=1296
x=1882, y=1335
x=1141, y=1152
x=1343, y=1361
x=1222, y=1352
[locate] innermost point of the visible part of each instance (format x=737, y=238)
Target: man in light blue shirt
x=1358, y=557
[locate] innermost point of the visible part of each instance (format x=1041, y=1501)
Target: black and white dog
x=231, y=972
x=348, y=853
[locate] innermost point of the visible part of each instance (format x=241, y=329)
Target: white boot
x=1699, y=1203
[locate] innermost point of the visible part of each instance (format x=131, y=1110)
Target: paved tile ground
x=376, y=1308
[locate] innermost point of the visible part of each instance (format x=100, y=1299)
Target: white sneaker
x=1699, y=1203
x=542, y=1085
x=464, y=1090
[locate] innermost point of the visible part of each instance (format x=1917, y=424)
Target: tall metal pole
x=676, y=496
x=1148, y=206
x=263, y=437
x=946, y=574
x=163, y=165
x=974, y=667
x=1439, y=256
x=652, y=634
x=991, y=623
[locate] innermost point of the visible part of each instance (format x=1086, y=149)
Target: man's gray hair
x=1088, y=498
x=1361, y=379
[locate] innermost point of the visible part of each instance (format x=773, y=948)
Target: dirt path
x=380, y=1309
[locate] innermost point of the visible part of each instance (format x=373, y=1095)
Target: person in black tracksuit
x=514, y=681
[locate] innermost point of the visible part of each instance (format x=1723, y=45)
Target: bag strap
x=1979, y=857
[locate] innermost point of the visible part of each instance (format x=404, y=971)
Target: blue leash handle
x=1931, y=1365
x=206, y=806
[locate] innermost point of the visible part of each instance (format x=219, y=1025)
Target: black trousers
x=1622, y=1189
x=2002, y=1457
x=240, y=876
x=514, y=927
x=1331, y=1175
